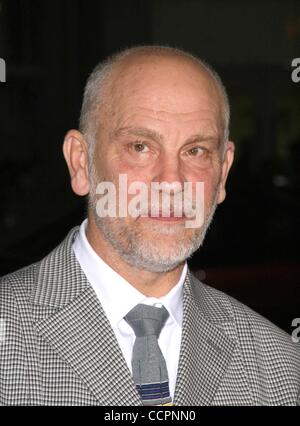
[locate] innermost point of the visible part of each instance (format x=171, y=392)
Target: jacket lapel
x=206, y=350
x=78, y=329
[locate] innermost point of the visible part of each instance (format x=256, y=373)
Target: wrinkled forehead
x=172, y=85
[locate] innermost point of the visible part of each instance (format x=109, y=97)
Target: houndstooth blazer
x=58, y=348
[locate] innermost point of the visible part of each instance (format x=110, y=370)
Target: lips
x=170, y=217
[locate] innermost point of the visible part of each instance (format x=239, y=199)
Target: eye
x=195, y=151
x=140, y=147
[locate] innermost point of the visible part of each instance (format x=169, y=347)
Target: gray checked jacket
x=57, y=346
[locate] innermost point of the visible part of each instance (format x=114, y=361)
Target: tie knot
x=147, y=320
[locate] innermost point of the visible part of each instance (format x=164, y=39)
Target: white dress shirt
x=117, y=297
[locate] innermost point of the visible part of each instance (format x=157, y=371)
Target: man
x=114, y=304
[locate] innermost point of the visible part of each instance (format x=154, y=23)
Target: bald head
x=164, y=68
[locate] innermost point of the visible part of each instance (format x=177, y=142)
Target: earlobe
x=221, y=195
x=76, y=156
x=227, y=163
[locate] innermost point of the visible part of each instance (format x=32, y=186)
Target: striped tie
x=149, y=367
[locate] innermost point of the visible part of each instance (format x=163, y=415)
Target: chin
x=172, y=229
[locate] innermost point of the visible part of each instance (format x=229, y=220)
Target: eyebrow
x=152, y=134
x=139, y=131
x=202, y=138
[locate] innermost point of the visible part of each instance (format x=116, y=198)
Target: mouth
x=163, y=218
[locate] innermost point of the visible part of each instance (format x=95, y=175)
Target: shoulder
x=18, y=282
x=21, y=284
x=269, y=342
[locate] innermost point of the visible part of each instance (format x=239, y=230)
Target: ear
x=227, y=162
x=76, y=155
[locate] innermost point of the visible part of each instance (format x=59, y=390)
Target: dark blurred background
x=50, y=47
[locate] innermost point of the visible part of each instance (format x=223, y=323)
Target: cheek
x=101, y=163
x=133, y=173
x=133, y=176
x=210, y=179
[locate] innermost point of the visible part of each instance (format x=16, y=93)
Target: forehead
x=143, y=121
x=164, y=90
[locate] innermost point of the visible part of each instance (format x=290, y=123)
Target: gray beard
x=134, y=249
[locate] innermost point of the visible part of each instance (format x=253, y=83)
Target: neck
x=151, y=284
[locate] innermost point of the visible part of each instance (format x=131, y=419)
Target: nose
x=169, y=169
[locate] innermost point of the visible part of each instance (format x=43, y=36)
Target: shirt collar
x=117, y=295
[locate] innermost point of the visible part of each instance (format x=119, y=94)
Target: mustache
x=169, y=206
